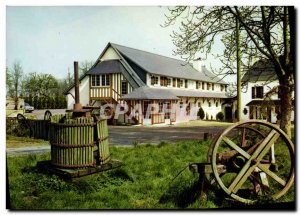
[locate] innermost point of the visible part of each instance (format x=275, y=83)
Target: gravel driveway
x=126, y=135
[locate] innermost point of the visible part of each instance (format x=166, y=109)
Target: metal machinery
x=250, y=161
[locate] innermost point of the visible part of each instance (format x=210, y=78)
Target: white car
x=28, y=108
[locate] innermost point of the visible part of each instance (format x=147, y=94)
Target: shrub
x=201, y=113
x=135, y=143
x=13, y=127
x=220, y=116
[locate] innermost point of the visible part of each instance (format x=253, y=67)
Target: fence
x=38, y=129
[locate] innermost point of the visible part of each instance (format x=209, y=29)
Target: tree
x=41, y=85
x=85, y=66
x=265, y=33
x=13, y=81
x=201, y=113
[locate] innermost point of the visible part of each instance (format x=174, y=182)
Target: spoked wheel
x=259, y=160
x=47, y=115
x=24, y=123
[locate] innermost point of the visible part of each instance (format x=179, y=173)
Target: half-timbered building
x=123, y=75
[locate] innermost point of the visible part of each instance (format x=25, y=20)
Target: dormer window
x=181, y=83
x=174, y=82
x=186, y=83
x=222, y=87
x=213, y=86
x=198, y=84
x=169, y=80
x=178, y=82
x=154, y=80
x=208, y=86
x=202, y=85
x=164, y=81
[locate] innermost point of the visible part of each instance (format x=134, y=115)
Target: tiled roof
x=166, y=66
x=262, y=70
x=106, y=67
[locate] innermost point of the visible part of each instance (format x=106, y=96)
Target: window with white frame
x=154, y=80
x=105, y=80
x=208, y=86
x=169, y=82
x=181, y=83
x=100, y=80
x=124, y=88
x=186, y=83
x=95, y=80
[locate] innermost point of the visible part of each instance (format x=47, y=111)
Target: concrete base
x=77, y=172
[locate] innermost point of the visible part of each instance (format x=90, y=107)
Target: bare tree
x=85, y=66
x=265, y=33
x=13, y=81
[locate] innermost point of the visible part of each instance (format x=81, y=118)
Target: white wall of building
x=211, y=111
x=110, y=54
x=247, y=97
x=83, y=91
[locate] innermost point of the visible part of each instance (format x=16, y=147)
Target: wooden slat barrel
x=102, y=137
x=79, y=142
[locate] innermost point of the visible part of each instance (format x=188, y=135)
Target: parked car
x=28, y=108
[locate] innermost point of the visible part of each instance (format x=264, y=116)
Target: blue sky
x=49, y=39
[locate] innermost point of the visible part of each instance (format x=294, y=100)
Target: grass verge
x=18, y=142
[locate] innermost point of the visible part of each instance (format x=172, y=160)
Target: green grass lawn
x=143, y=182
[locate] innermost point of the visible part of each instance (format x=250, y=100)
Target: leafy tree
x=265, y=33
x=41, y=85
